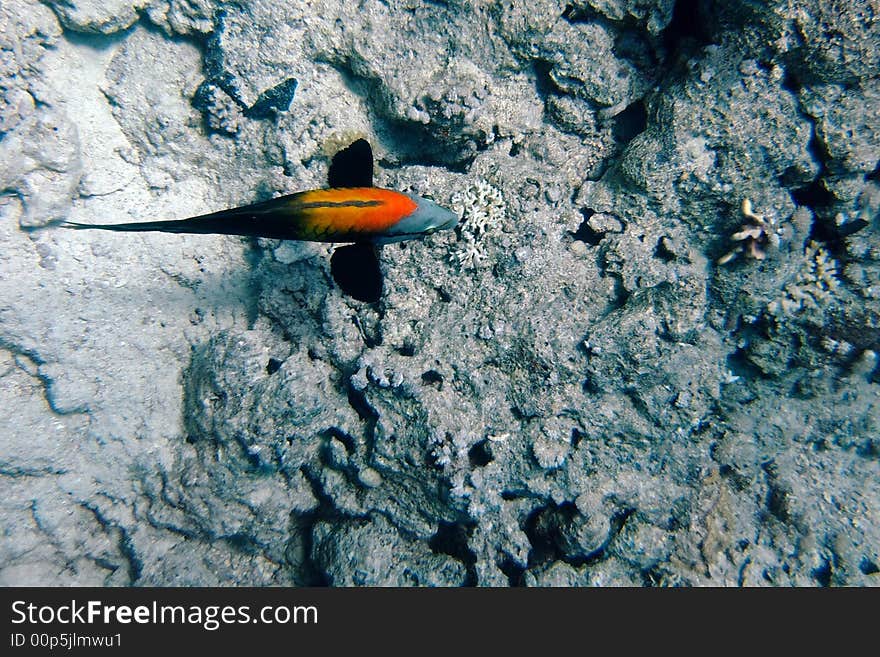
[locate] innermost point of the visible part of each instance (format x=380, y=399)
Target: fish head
x=427, y=218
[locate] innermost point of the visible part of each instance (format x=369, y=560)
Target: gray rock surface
x=614, y=372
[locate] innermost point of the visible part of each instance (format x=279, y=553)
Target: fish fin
x=78, y=226
x=355, y=268
x=168, y=226
x=352, y=166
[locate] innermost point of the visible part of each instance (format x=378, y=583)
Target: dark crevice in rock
x=299, y=548
x=868, y=567
x=820, y=200
x=273, y=100
x=632, y=42
x=689, y=28
x=679, y=515
x=433, y=378
x=640, y=405
x=298, y=552
x=776, y=500
x=242, y=543
x=99, y=40
x=869, y=448
x=621, y=294
x=815, y=195
x=513, y=571
x=825, y=229
x=451, y=538
x=790, y=179
x=14, y=471
x=740, y=482
x=630, y=123
x=547, y=529
x=655, y=576
x=616, y=522
x=407, y=350
x=358, y=401
x=585, y=233
x=823, y=572
x=214, y=64
x=165, y=498
x=662, y=252
x=480, y=455
x=544, y=84
x=739, y=364
x=791, y=82
x=267, y=105
x=656, y=56
x=123, y=541
x=590, y=387
x=552, y=532
x=522, y=416
x=343, y=437
x=325, y=509
x=45, y=380
x=579, y=14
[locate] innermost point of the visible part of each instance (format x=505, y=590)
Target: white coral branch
x=482, y=211
x=813, y=286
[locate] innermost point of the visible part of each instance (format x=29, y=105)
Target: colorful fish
x=351, y=210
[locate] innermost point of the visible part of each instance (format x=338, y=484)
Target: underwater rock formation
x=569, y=389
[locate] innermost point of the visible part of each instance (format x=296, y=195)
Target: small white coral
x=482, y=210
x=471, y=254
x=440, y=451
x=812, y=287
x=753, y=236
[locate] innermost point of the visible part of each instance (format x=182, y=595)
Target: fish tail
x=172, y=226
x=277, y=219
x=227, y=222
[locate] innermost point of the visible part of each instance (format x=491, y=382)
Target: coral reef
x=569, y=390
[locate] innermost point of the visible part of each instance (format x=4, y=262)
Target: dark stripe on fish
x=337, y=204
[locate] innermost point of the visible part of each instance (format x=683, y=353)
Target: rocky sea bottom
x=647, y=355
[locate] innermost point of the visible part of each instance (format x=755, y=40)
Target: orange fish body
x=356, y=211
